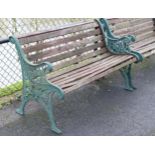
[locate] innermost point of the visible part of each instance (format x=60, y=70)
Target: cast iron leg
x=21, y=108
x=126, y=73
x=48, y=105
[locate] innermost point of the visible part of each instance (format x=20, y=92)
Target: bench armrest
x=116, y=44
x=45, y=66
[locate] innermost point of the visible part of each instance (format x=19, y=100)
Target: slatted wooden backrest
x=64, y=46
x=79, y=42
x=142, y=28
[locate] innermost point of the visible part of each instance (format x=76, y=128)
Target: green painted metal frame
x=35, y=85
x=120, y=46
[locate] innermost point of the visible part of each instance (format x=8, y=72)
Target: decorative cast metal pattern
x=10, y=69
x=35, y=85
x=126, y=74
x=118, y=45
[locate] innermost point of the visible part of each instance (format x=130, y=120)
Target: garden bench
x=74, y=55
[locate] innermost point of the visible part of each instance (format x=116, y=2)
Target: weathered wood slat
x=78, y=51
x=129, y=23
x=45, y=45
x=80, y=58
x=137, y=29
x=79, y=83
x=134, y=30
x=114, y=21
x=55, y=33
x=58, y=72
x=61, y=49
x=77, y=65
x=144, y=36
x=98, y=66
x=73, y=53
x=135, y=46
x=59, y=41
x=104, y=58
x=142, y=43
x=140, y=37
x=84, y=81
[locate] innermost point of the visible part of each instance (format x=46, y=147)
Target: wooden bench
x=75, y=55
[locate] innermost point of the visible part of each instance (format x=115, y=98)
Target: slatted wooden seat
x=100, y=62
x=78, y=52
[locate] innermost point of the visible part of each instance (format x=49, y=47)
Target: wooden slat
x=55, y=33
x=61, y=49
x=73, y=53
x=104, y=58
x=134, y=30
x=69, y=68
x=135, y=46
x=137, y=29
x=51, y=52
x=75, y=64
x=144, y=30
x=129, y=23
x=87, y=70
x=114, y=21
x=79, y=83
x=93, y=68
x=142, y=43
x=80, y=58
x=145, y=35
x=97, y=67
x=59, y=41
x=100, y=74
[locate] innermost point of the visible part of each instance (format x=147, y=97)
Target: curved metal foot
x=56, y=130
x=21, y=108
x=130, y=88
x=20, y=111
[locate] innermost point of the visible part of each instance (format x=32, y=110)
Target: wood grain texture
x=78, y=51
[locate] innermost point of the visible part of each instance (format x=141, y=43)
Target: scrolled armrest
x=116, y=44
x=46, y=66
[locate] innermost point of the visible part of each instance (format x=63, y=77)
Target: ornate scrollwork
x=35, y=85
x=118, y=45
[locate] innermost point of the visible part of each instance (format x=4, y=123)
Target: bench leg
x=47, y=103
x=126, y=73
x=25, y=100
